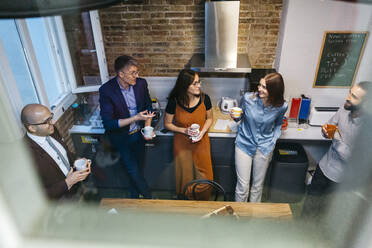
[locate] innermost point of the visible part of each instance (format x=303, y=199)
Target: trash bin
x=288, y=172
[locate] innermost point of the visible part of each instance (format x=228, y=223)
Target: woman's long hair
x=179, y=92
x=275, y=88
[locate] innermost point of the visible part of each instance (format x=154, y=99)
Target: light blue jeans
x=244, y=166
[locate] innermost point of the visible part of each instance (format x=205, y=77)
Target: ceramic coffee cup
x=236, y=112
x=147, y=131
x=81, y=164
x=195, y=128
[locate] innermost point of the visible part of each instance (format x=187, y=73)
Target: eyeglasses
x=47, y=121
x=197, y=83
x=133, y=73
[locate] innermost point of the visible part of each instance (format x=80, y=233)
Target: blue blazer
x=113, y=105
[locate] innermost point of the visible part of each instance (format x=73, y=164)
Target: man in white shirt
x=52, y=160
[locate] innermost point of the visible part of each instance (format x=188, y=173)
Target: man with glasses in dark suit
x=52, y=160
x=125, y=108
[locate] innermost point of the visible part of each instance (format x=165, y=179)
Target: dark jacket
x=51, y=176
x=113, y=105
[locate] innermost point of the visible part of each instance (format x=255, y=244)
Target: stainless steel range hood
x=221, y=40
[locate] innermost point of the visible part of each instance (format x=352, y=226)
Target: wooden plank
x=243, y=209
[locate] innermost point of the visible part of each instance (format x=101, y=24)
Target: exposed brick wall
x=64, y=123
x=163, y=34
x=259, y=22
x=68, y=119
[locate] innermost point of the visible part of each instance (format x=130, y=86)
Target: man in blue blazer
x=125, y=108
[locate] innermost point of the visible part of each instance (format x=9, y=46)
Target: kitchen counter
x=86, y=129
x=293, y=132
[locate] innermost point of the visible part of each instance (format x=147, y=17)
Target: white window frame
x=66, y=98
x=62, y=57
x=101, y=56
x=60, y=37
x=30, y=56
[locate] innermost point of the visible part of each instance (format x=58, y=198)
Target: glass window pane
x=14, y=51
x=44, y=55
x=80, y=40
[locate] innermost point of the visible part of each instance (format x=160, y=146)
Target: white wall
x=301, y=36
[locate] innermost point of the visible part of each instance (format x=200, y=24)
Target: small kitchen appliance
x=226, y=104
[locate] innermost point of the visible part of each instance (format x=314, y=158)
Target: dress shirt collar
x=38, y=139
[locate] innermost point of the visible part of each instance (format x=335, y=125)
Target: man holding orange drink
x=342, y=129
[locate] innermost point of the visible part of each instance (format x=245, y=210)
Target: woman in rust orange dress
x=187, y=105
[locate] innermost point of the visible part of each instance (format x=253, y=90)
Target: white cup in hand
x=147, y=131
x=195, y=128
x=236, y=112
x=81, y=164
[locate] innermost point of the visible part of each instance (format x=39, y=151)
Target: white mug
x=81, y=164
x=195, y=127
x=147, y=131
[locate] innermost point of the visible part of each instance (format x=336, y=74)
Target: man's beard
x=351, y=107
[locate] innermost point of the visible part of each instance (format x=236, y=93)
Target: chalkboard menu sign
x=339, y=58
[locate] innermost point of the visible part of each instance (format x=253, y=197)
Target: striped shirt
x=130, y=100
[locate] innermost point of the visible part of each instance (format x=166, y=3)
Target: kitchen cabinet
x=159, y=166
x=223, y=160
x=109, y=173
x=159, y=163
x=107, y=169
x=111, y=179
